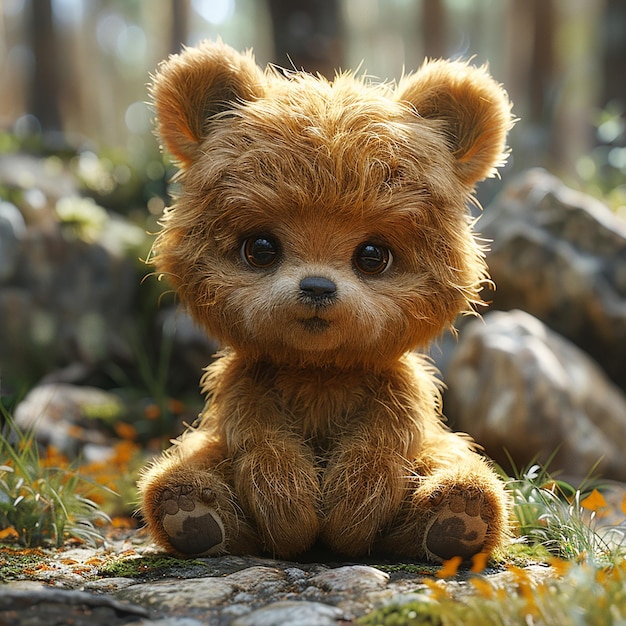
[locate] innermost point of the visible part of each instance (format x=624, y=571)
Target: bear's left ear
x=195, y=85
x=473, y=109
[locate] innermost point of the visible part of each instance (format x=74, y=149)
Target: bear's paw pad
x=192, y=525
x=458, y=528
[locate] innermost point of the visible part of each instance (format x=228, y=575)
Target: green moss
x=409, y=614
x=41, y=499
x=523, y=555
x=16, y=564
x=146, y=566
x=408, y=568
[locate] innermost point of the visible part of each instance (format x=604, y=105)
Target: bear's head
x=324, y=223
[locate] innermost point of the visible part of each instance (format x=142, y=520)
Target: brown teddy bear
x=321, y=234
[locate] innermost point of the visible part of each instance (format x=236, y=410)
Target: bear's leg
x=278, y=487
x=188, y=505
x=459, y=507
x=363, y=489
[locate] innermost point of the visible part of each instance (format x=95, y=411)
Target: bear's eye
x=260, y=252
x=372, y=259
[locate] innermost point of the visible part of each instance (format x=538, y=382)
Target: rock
x=294, y=613
x=12, y=230
x=109, y=585
x=70, y=418
x=515, y=385
x=54, y=606
x=353, y=577
x=561, y=256
x=67, y=300
x=156, y=590
x=174, y=596
x=256, y=595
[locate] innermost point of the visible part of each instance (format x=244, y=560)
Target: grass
x=560, y=531
x=581, y=594
x=43, y=500
x=565, y=520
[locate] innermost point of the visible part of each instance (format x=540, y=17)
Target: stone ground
x=127, y=581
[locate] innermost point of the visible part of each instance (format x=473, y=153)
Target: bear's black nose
x=318, y=289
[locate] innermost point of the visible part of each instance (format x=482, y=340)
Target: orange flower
x=560, y=566
x=175, y=406
x=479, y=562
x=450, y=567
x=594, y=501
x=483, y=587
x=125, y=431
x=602, y=576
x=53, y=458
x=123, y=522
x=124, y=452
x=524, y=586
x=438, y=592
x=152, y=412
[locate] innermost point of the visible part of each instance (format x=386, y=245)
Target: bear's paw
x=192, y=525
x=458, y=527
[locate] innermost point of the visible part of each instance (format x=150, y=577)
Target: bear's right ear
x=191, y=87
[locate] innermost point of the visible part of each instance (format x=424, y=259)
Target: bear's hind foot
x=192, y=525
x=459, y=526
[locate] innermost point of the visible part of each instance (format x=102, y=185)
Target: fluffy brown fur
x=321, y=234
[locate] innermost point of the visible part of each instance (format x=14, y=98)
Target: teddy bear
x=321, y=234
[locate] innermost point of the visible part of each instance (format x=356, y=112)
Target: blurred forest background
x=76, y=138
x=73, y=73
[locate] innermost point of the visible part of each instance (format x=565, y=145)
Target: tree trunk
x=45, y=86
x=179, y=24
x=434, y=29
x=307, y=35
x=542, y=61
x=614, y=87
x=579, y=66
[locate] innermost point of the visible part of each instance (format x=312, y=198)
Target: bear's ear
x=474, y=111
x=191, y=87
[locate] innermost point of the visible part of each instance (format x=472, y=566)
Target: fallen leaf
x=123, y=522
x=9, y=533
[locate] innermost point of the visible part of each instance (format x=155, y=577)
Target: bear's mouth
x=315, y=324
